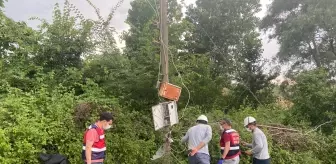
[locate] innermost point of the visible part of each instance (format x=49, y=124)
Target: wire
x=173, y=62
x=178, y=161
x=160, y=64
x=154, y=9
x=179, y=152
x=180, y=76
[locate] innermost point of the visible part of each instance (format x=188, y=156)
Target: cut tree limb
x=328, y=122
x=274, y=127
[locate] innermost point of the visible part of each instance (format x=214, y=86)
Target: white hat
x=249, y=120
x=202, y=118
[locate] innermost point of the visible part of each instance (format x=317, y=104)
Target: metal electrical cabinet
x=165, y=114
x=170, y=91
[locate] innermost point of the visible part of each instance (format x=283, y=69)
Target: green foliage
x=229, y=39
x=219, y=30
x=313, y=148
x=195, y=73
x=17, y=40
x=302, y=31
x=45, y=118
x=2, y=3
x=64, y=41
x=253, y=86
x=314, y=99
x=56, y=80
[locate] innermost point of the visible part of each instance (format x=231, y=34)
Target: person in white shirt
x=198, y=138
x=259, y=144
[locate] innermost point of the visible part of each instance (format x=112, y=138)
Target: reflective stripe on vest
x=232, y=148
x=96, y=149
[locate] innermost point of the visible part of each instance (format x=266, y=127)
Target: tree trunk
x=332, y=49
x=316, y=55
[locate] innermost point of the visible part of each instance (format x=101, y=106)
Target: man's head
x=202, y=119
x=250, y=123
x=226, y=124
x=106, y=119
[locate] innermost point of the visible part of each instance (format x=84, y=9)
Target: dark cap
x=106, y=116
x=227, y=121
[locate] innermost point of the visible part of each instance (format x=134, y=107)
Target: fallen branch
x=277, y=133
x=274, y=127
x=328, y=122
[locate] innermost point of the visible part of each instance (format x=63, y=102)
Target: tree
x=65, y=41
x=195, y=76
x=226, y=32
x=143, y=19
x=17, y=43
x=2, y=3
x=305, y=31
x=219, y=28
x=253, y=85
x=314, y=99
x=70, y=37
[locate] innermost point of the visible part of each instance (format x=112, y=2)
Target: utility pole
x=164, y=39
x=165, y=67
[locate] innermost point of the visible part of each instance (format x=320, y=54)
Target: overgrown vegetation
x=54, y=80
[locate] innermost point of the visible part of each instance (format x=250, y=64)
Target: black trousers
x=261, y=161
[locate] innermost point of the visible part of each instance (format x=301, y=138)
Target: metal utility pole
x=165, y=66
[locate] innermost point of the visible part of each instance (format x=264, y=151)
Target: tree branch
x=274, y=127
x=328, y=122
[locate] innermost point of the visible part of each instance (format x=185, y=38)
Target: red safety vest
x=98, y=148
x=234, y=143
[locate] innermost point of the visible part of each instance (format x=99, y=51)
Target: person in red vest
x=94, y=140
x=229, y=143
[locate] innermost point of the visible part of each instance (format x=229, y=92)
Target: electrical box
x=158, y=117
x=173, y=116
x=170, y=91
x=165, y=114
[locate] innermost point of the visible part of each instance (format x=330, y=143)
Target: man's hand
x=248, y=152
x=193, y=151
x=243, y=143
x=223, y=157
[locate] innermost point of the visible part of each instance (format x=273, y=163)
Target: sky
x=22, y=10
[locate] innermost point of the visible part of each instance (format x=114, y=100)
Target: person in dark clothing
x=53, y=159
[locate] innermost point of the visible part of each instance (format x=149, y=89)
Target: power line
x=173, y=62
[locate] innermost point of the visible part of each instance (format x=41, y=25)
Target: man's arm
x=259, y=144
x=246, y=144
x=88, y=151
x=226, y=149
x=185, y=138
x=91, y=137
x=249, y=145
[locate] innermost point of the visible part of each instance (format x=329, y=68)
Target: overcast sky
x=22, y=10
